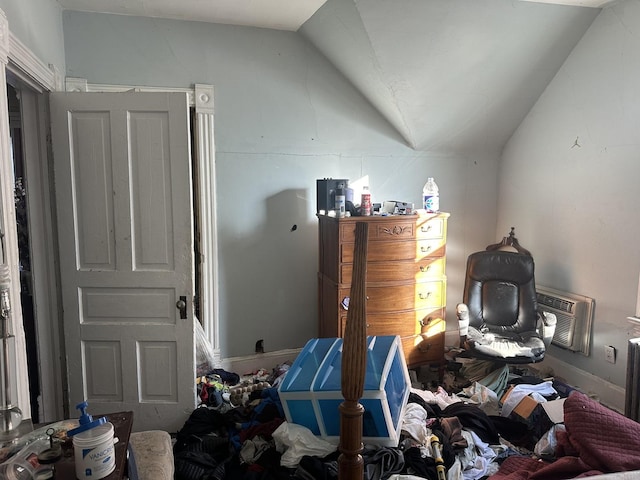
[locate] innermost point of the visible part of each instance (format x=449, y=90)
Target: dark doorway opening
x=22, y=220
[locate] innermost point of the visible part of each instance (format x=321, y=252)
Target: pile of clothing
x=468, y=427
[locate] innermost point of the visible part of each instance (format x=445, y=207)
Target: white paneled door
x=122, y=168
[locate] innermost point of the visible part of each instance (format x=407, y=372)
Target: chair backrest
x=500, y=291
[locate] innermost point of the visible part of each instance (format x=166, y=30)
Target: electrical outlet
x=610, y=354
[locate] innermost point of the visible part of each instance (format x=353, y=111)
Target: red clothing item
x=597, y=440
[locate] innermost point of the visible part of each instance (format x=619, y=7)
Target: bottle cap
x=86, y=421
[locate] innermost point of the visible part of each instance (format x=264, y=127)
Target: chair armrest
x=549, y=321
x=462, y=311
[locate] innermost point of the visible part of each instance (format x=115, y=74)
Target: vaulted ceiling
x=447, y=74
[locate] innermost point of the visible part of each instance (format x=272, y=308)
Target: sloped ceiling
x=449, y=75
x=455, y=75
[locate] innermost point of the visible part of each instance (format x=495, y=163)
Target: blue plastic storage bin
x=311, y=391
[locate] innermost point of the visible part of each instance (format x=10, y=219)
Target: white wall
x=38, y=24
x=569, y=182
x=284, y=118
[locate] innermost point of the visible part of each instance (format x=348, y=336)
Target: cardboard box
x=555, y=410
x=524, y=408
x=539, y=416
x=311, y=391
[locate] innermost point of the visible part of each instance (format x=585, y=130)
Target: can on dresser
x=365, y=202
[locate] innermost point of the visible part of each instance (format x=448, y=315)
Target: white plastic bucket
x=94, y=452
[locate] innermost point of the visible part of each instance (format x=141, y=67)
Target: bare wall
x=569, y=181
x=38, y=24
x=284, y=117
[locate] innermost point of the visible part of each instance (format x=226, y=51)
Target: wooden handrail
x=354, y=364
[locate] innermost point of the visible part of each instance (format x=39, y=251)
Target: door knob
x=182, y=306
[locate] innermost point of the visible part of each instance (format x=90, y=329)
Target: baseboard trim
x=607, y=393
x=252, y=363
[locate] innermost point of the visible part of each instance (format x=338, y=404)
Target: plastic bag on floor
x=546, y=446
x=484, y=397
x=295, y=441
x=205, y=359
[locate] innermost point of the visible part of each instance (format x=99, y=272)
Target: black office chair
x=499, y=319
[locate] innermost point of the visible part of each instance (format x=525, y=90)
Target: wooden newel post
x=354, y=364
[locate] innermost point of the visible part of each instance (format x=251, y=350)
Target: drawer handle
x=424, y=269
x=424, y=347
x=425, y=249
x=345, y=303
x=424, y=296
x=425, y=230
x=424, y=323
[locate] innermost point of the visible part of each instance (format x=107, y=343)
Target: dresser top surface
x=377, y=218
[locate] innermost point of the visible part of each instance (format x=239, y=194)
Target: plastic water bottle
x=430, y=196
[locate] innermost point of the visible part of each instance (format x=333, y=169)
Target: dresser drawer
x=419, y=350
x=398, y=227
x=388, y=251
x=426, y=322
x=397, y=270
x=431, y=228
x=402, y=297
x=383, y=229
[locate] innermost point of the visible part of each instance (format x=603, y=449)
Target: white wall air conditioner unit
x=574, y=314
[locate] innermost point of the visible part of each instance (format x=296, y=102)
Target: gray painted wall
x=569, y=182
x=38, y=24
x=284, y=118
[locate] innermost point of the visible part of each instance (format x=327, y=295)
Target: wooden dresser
x=405, y=283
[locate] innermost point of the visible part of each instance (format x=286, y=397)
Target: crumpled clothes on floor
x=477, y=459
x=440, y=398
x=295, y=441
x=414, y=423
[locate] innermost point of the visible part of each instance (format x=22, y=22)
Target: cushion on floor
x=152, y=456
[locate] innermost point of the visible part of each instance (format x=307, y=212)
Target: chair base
x=465, y=353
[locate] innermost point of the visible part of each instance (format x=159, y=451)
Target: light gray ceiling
x=449, y=75
x=277, y=14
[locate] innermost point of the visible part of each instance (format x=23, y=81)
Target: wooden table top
x=122, y=422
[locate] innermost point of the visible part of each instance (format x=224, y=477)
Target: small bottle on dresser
x=340, y=200
x=365, y=202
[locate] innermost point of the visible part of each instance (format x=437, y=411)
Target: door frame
x=19, y=63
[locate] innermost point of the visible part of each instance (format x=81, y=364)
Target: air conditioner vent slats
x=557, y=303
x=574, y=315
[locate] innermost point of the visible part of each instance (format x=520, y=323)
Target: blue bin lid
x=302, y=372
x=328, y=379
